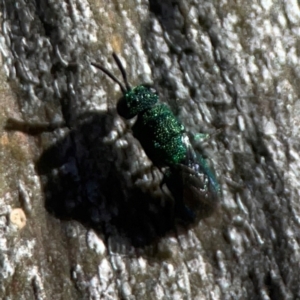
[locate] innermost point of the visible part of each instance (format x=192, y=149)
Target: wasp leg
x=201, y=137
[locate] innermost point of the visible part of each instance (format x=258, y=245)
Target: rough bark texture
x=97, y=224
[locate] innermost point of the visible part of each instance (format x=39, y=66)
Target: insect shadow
x=81, y=181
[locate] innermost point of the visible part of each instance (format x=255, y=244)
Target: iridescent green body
x=157, y=129
x=186, y=174
x=160, y=134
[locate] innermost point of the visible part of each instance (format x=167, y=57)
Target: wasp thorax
x=137, y=100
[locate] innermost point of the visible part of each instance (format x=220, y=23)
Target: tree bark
x=94, y=222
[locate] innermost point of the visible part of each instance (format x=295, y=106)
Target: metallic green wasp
x=186, y=173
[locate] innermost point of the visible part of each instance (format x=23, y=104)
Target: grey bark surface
x=97, y=222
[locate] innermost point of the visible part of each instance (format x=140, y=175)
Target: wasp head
x=137, y=100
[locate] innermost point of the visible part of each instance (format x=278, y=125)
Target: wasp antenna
x=123, y=72
x=111, y=76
